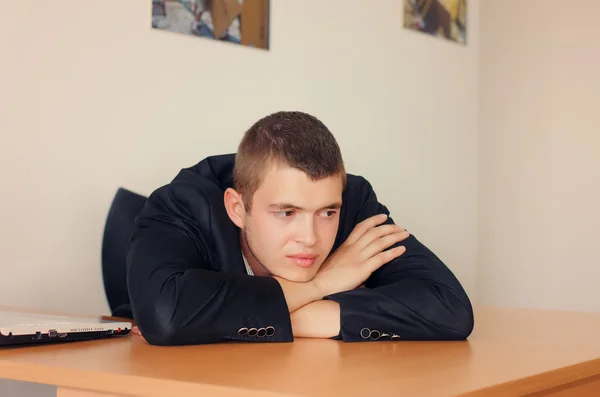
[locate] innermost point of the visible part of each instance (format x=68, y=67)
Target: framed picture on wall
x=442, y=18
x=243, y=22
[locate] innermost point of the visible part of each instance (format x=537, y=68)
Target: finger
x=136, y=330
x=364, y=226
x=384, y=257
x=383, y=243
x=377, y=233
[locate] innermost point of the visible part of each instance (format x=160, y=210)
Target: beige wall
x=539, y=148
x=93, y=99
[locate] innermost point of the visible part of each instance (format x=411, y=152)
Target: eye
x=285, y=214
x=329, y=213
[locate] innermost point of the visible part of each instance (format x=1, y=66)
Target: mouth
x=304, y=260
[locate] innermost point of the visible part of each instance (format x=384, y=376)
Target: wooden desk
x=511, y=352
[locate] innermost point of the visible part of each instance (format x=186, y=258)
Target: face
x=292, y=225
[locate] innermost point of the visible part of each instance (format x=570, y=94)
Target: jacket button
x=252, y=331
x=395, y=336
x=261, y=332
x=270, y=330
x=365, y=333
x=375, y=334
x=242, y=331
x=384, y=335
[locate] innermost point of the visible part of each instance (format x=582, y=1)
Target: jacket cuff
x=358, y=322
x=268, y=317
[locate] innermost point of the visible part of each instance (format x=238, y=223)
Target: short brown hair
x=295, y=139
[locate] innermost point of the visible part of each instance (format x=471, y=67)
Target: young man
x=278, y=242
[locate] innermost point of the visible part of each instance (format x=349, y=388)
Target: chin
x=296, y=276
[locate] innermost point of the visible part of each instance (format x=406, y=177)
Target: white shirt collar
x=248, y=268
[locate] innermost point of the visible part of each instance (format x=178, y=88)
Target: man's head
x=287, y=191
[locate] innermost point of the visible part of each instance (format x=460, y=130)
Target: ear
x=234, y=205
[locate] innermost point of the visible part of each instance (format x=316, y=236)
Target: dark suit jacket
x=188, y=284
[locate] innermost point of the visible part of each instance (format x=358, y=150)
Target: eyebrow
x=285, y=206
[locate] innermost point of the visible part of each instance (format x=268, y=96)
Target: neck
x=257, y=268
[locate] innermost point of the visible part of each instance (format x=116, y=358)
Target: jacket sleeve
x=413, y=297
x=177, y=299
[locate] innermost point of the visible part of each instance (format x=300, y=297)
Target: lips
x=303, y=260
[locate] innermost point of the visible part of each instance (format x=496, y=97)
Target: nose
x=307, y=235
